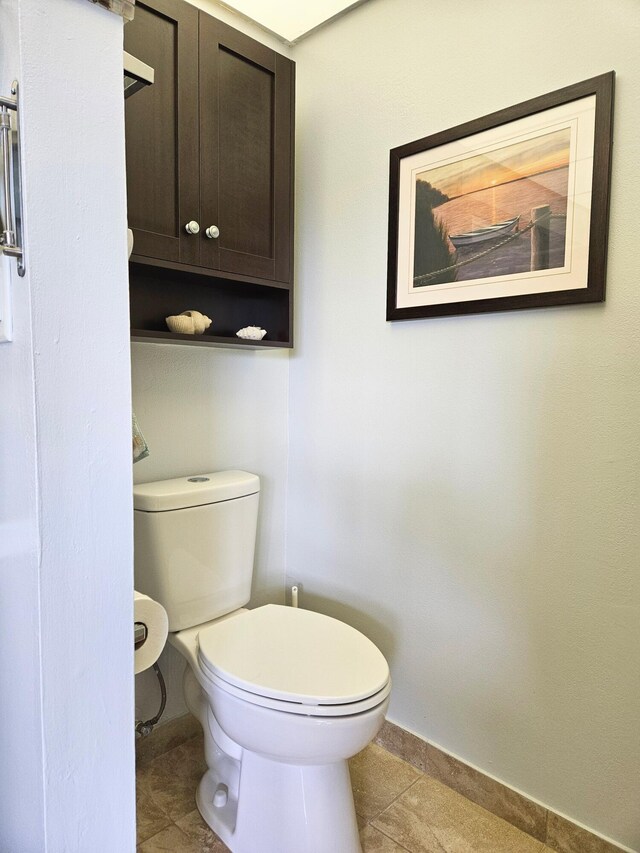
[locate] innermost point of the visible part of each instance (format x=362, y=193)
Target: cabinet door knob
x=192, y=227
x=212, y=232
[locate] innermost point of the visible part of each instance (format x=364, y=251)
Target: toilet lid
x=294, y=655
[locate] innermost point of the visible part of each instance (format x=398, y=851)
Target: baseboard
x=555, y=830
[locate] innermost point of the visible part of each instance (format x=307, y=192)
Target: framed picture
x=507, y=211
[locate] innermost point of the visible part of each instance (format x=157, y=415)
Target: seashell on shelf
x=251, y=333
x=188, y=323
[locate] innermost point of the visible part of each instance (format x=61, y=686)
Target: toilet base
x=277, y=782
x=280, y=808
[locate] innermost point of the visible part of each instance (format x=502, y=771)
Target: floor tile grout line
x=159, y=761
x=157, y=805
x=435, y=838
x=144, y=761
x=546, y=829
x=544, y=848
x=395, y=841
x=400, y=794
x=155, y=835
x=148, y=792
x=142, y=840
x=471, y=799
x=495, y=815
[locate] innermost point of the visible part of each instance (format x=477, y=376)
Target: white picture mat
x=578, y=115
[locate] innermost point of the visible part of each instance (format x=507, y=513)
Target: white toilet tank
x=194, y=542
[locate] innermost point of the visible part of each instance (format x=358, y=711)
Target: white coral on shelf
x=251, y=333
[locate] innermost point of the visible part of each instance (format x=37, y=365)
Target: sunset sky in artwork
x=508, y=163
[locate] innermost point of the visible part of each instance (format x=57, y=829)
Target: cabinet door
x=246, y=153
x=161, y=131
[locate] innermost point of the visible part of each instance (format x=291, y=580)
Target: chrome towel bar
x=11, y=225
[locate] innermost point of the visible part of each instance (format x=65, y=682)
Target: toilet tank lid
x=196, y=490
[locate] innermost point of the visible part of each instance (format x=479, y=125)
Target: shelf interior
x=157, y=293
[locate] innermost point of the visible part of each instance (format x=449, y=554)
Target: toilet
x=284, y=695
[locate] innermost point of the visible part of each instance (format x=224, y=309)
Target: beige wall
x=466, y=489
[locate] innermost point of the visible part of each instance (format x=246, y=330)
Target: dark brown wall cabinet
x=210, y=143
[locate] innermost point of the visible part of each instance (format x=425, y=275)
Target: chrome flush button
x=198, y=479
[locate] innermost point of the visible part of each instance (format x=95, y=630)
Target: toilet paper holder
x=139, y=634
x=144, y=728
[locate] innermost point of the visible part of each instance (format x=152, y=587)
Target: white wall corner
x=71, y=424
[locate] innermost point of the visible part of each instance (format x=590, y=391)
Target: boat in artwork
x=490, y=232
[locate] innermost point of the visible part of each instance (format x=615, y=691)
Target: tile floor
x=398, y=807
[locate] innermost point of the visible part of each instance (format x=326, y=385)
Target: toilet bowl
x=284, y=695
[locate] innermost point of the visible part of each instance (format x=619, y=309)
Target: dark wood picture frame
x=581, y=271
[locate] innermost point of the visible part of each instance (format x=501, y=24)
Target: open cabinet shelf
x=157, y=293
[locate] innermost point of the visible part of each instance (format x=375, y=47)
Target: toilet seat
x=344, y=710
x=294, y=660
